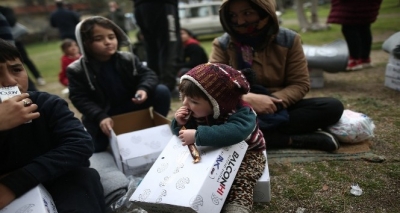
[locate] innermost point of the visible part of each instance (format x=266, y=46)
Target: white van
x=200, y=18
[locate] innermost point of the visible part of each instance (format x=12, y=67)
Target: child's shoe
x=40, y=81
x=354, y=64
x=366, y=63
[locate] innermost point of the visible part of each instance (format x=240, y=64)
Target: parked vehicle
x=203, y=18
x=200, y=18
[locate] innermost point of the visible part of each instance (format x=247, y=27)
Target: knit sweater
x=240, y=125
x=44, y=149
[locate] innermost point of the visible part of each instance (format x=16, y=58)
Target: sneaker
x=354, y=64
x=40, y=81
x=320, y=140
x=366, y=63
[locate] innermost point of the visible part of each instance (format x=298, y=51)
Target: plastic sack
x=353, y=127
x=390, y=43
x=123, y=205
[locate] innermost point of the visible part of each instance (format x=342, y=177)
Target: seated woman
x=254, y=40
x=43, y=143
x=105, y=82
x=193, y=53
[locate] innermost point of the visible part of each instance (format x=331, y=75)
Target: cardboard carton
x=392, y=71
x=393, y=60
x=392, y=83
x=175, y=184
x=262, y=190
x=137, y=139
x=37, y=200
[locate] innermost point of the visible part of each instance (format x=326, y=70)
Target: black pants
x=78, y=191
x=26, y=60
x=159, y=23
x=359, y=40
x=306, y=116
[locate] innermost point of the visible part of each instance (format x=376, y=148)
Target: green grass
x=302, y=184
x=46, y=55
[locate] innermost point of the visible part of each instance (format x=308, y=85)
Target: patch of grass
x=301, y=185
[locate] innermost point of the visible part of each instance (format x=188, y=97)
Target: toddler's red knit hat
x=223, y=85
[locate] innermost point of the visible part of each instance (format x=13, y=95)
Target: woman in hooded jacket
x=254, y=40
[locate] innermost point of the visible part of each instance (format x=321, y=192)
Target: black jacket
x=44, y=149
x=193, y=55
x=88, y=96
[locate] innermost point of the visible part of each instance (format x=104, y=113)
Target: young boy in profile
x=43, y=144
x=214, y=114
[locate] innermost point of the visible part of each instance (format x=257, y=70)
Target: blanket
x=360, y=151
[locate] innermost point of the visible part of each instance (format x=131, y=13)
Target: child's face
x=184, y=36
x=12, y=73
x=105, y=43
x=72, y=50
x=199, y=107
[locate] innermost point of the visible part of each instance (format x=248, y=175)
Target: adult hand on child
x=262, y=104
x=16, y=111
x=140, y=97
x=187, y=136
x=106, y=126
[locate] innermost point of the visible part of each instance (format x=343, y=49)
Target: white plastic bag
x=353, y=127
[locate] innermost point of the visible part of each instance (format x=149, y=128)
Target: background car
x=200, y=18
x=203, y=18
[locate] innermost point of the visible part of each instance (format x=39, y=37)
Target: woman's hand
x=106, y=126
x=16, y=111
x=182, y=115
x=140, y=97
x=187, y=136
x=262, y=104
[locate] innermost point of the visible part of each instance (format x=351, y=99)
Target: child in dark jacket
x=105, y=82
x=52, y=149
x=214, y=114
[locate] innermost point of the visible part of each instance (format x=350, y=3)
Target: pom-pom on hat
x=223, y=85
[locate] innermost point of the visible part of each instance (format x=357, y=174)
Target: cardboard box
x=137, y=139
x=262, y=190
x=175, y=184
x=37, y=200
x=392, y=83
x=392, y=71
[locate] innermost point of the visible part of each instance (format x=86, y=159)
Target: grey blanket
x=114, y=182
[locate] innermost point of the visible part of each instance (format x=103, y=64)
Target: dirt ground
x=324, y=186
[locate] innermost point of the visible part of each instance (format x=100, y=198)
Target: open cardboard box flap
x=137, y=120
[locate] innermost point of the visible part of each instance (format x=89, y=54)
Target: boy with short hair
x=52, y=149
x=214, y=114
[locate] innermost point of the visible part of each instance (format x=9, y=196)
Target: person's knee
x=162, y=92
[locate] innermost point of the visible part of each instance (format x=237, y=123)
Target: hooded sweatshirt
x=87, y=90
x=277, y=58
